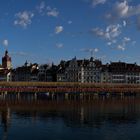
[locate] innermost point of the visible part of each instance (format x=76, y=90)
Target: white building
x=84, y=71
x=91, y=71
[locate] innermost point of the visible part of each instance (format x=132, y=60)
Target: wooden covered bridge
x=68, y=87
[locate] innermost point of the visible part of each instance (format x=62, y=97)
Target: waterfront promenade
x=68, y=87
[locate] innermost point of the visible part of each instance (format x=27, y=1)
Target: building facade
x=84, y=71
x=75, y=70
x=27, y=72
x=120, y=72
x=93, y=71
x=47, y=73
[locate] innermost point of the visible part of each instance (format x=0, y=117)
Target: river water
x=114, y=118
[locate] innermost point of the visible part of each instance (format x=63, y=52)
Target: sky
x=46, y=31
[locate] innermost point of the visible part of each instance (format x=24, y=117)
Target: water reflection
x=39, y=114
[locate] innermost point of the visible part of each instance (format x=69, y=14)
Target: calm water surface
x=102, y=119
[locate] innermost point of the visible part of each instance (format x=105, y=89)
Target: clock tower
x=6, y=61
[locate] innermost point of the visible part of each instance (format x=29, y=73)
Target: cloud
x=52, y=12
x=123, y=10
x=5, y=43
x=58, y=29
x=123, y=44
x=59, y=45
x=91, y=50
x=96, y=50
x=111, y=42
x=110, y=33
x=121, y=47
x=24, y=18
x=41, y=7
x=124, y=23
x=69, y=22
x=113, y=31
x=97, y=2
x=126, y=39
x=98, y=32
x=44, y=9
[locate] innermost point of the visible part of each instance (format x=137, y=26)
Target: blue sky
x=43, y=31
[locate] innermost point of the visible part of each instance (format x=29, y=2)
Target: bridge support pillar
x=81, y=96
x=52, y=96
x=2, y=95
x=108, y=94
x=5, y=92
x=35, y=96
x=89, y=96
x=75, y=96
x=66, y=96
x=18, y=95
x=122, y=94
x=96, y=95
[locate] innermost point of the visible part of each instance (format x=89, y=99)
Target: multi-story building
x=42, y=72
x=73, y=70
x=132, y=74
x=85, y=71
x=120, y=72
x=105, y=74
x=47, y=73
x=61, y=73
x=34, y=72
x=27, y=72
x=117, y=72
x=91, y=71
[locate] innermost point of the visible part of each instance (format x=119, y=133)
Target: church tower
x=6, y=61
